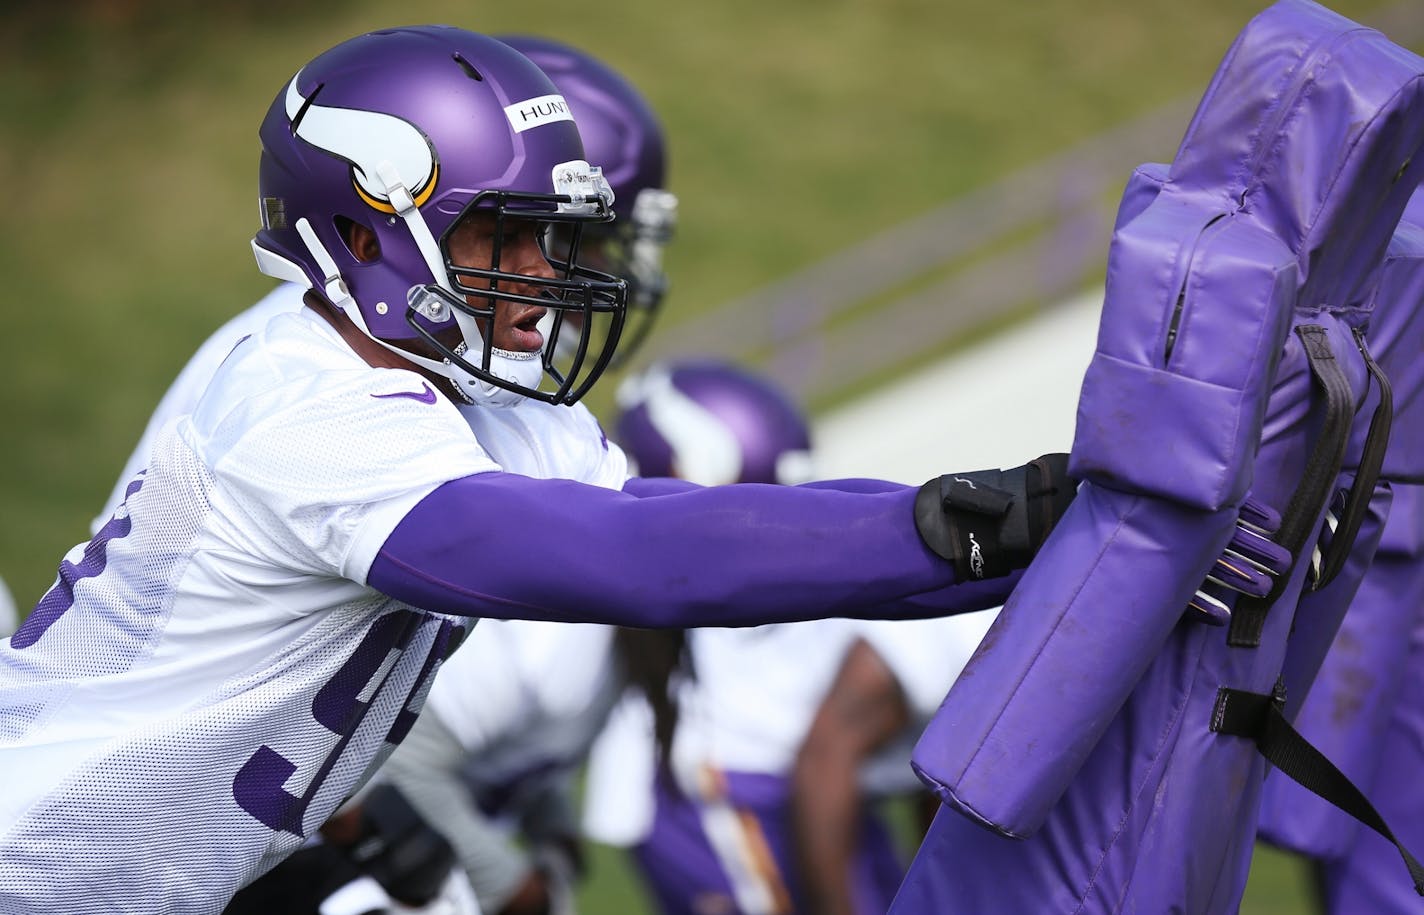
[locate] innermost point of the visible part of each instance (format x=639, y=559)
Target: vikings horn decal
x=704, y=450
x=366, y=139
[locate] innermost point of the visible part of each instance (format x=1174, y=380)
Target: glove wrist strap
x=960, y=517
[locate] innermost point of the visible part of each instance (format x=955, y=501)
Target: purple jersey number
x=258, y=786
x=60, y=596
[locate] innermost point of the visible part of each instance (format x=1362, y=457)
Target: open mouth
x=523, y=333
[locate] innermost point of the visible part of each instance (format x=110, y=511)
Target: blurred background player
x=856, y=753
x=374, y=856
x=745, y=778
x=9, y=615
x=624, y=135
x=491, y=762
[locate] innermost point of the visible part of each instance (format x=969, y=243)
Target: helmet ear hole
x=360, y=241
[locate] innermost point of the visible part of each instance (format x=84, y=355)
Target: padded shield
x=1367, y=878
x=1086, y=712
x=1348, y=710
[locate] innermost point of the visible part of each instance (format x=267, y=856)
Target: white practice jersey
x=526, y=699
x=182, y=395
x=755, y=692
x=747, y=709
x=210, y=676
x=926, y=657
x=752, y=702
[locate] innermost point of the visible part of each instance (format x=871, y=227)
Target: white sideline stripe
x=1002, y=403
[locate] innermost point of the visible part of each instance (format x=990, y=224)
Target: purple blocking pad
x=1349, y=707
x=1083, y=722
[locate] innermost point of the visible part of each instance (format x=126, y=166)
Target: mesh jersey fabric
x=209, y=677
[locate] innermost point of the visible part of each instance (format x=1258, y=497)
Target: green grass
x=1277, y=885
x=127, y=141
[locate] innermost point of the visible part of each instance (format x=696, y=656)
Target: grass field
x=127, y=137
x=1277, y=885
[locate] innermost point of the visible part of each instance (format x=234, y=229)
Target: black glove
x=404, y=855
x=991, y=522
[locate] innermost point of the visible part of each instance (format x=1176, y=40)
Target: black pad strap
x=1357, y=503
x=1317, y=484
x=1258, y=717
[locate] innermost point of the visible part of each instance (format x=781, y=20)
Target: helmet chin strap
x=333, y=286
x=524, y=369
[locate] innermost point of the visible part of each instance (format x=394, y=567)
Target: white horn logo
x=704, y=449
x=366, y=139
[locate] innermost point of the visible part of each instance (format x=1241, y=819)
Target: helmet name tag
x=536, y=111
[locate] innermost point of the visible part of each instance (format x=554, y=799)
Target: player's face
x=595, y=248
x=595, y=252
x=471, y=244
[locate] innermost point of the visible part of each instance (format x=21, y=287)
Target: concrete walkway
x=1000, y=404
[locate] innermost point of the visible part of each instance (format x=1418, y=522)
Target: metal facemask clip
x=429, y=302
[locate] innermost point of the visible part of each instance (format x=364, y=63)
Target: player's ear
x=360, y=241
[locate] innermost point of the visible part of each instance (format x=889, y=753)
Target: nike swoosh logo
x=424, y=396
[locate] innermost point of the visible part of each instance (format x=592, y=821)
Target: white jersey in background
x=491, y=762
x=526, y=699
x=754, y=696
x=218, y=630
x=9, y=614
x=925, y=656
x=754, y=693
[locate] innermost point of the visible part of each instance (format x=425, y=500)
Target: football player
x=766, y=736
x=247, y=637
x=490, y=763
x=492, y=757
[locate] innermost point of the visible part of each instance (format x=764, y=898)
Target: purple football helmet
x=621, y=135
x=404, y=131
x=711, y=423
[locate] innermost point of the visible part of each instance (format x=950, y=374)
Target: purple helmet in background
x=711, y=423
x=404, y=131
x=621, y=135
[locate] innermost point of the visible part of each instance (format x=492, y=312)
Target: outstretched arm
x=508, y=546
x=864, y=710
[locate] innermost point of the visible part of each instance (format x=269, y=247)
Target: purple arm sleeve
x=642, y=487
x=513, y=547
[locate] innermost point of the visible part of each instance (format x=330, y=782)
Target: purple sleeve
x=506, y=546
x=642, y=487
